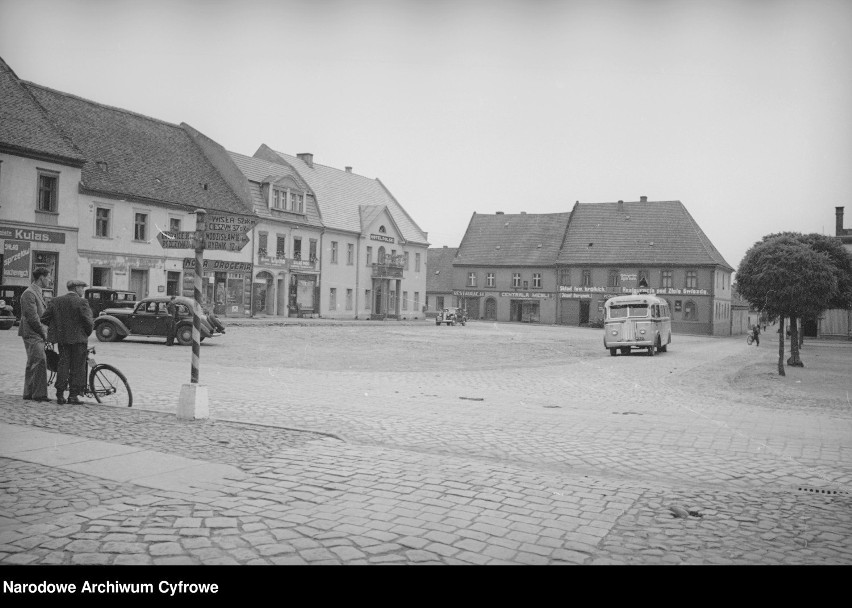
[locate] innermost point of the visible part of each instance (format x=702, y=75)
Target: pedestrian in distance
x=70, y=323
x=34, y=334
x=755, y=333
x=171, y=321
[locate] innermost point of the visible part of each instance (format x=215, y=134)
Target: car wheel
x=438, y=323
x=106, y=332
x=184, y=335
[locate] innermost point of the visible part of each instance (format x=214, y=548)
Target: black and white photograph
x=430, y=283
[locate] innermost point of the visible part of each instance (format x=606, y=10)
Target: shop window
x=332, y=298
x=516, y=279
x=613, y=279
x=489, y=279
x=48, y=191
x=100, y=277
x=471, y=279
x=666, y=279
x=405, y=300
x=102, y=223
x=689, y=312
x=536, y=280
x=140, y=227
x=691, y=279
x=587, y=277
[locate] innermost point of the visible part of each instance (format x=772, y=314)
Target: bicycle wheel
x=109, y=386
x=749, y=340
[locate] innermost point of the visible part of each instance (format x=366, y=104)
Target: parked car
x=11, y=294
x=451, y=316
x=7, y=316
x=101, y=298
x=150, y=318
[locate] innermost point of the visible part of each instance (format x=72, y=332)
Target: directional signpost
x=221, y=232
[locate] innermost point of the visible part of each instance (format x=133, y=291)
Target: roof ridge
x=102, y=105
x=404, y=212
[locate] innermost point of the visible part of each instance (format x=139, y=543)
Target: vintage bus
x=640, y=320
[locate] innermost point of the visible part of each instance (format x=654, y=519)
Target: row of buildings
x=99, y=193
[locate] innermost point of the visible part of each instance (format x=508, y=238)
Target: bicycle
x=750, y=340
x=107, y=385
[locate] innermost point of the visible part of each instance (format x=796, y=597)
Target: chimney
x=523, y=212
x=838, y=225
x=307, y=158
x=621, y=205
x=643, y=199
x=499, y=213
x=349, y=169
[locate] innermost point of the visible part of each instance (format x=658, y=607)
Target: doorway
x=139, y=283
x=584, y=312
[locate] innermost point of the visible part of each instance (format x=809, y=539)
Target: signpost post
x=222, y=232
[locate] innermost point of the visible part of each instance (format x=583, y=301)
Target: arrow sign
x=224, y=222
x=176, y=240
x=225, y=241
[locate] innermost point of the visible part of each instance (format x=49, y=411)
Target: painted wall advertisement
x=16, y=259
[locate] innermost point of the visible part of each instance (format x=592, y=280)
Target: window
x=536, y=280
x=416, y=301
x=280, y=246
x=416, y=262
x=297, y=202
x=587, y=278
x=140, y=227
x=689, y=313
x=279, y=199
x=564, y=276
x=334, y=252
x=691, y=279
x=350, y=253
x=101, y=223
x=48, y=191
x=516, y=279
x=471, y=279
x=369, y=256
x=100, y=277
x=643, y=279
x=489, y=279
x=405, y=259
x=667, y=279
x=297, y=248
x=367, y=302
x=312, y=251
x=348, y=299
x=174, y=224
x=405, y=300
x=332, y=298
x=262, y=248
x=613, y=279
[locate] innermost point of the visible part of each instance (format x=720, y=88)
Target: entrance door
x=139, y=283
x=173, y=283
x=379, y=309
x=584, y=311
x=490, y=309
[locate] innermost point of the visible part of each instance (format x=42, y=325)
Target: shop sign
x=381, y=237
x=671, y=291
x=218, y=265
x=16, y=259
x=575, y=296
x=465, y=293
x=583, y=289
x=272, y=260
x=302, y=265
x=525, y=294
x=27, y=234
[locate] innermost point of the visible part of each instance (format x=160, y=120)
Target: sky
x=739, y=109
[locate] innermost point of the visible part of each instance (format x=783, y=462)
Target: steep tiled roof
x=439, y=268
x=25, y=127
x=643, y=233
x=340, y=194
x=134, y=156
x=525, y=239
x=257, y=171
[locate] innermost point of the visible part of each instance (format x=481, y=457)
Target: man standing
x=171, y=309
x=34, y=335
x=755, y=333
x=70, y=322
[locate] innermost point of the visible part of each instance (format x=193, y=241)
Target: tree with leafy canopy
x=786, y=278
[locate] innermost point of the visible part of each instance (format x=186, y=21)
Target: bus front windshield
x=621, y=311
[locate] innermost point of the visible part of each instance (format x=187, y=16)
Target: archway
x=263, y=293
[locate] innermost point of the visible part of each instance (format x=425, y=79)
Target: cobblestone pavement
x=483, y=444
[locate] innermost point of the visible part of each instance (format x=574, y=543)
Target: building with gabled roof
x=613, y=248
x=40, y=170
x=503, y=269
x=143, y=177
x=373, y=254
x=439, y=279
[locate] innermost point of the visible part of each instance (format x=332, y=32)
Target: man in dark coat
x=34, y=335
x=171, y=308
x=70, y=322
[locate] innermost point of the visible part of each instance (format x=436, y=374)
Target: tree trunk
x=794, y=343
x=781, y=338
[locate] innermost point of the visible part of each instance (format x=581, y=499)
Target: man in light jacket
x=70, y=322
x=34, y=334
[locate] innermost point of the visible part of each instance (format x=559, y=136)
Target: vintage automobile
x=11, y=294
x=150, y=318
x=451, y=316
x=101, y=298
x=7, y=316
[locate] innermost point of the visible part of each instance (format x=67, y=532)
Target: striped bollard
x=193, y=402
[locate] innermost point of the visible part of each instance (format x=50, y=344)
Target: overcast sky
x=740, y=109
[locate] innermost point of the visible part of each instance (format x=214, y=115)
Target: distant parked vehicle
x=637, y=321
x=101, y=298
x=11, y=294
x=451, y=316
x=150, y=318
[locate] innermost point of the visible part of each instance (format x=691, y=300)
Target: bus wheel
x=652, y=350
x=612, y=352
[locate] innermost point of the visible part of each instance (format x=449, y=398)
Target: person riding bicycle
x=755, y=334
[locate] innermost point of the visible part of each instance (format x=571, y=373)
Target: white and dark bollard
x=193, y=403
